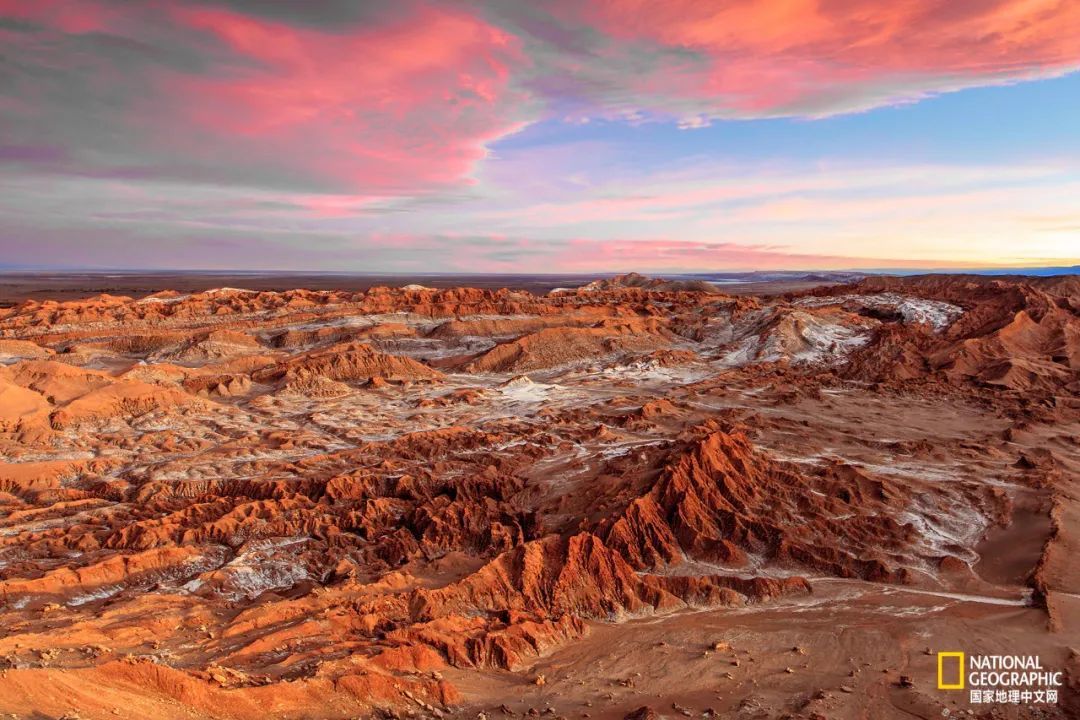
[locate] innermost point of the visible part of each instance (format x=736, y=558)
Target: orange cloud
x=818, y=57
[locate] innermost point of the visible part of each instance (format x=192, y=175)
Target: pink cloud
x=587, y=255
x=398, y=106
x=409, y=101
x=814, y=57
x=392, y=108
x=68, y=16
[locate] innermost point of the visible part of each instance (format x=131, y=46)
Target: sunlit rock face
x=445, y=502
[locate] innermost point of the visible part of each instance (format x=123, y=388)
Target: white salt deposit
x=935, y=313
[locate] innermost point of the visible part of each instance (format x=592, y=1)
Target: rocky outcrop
x=349, y=362
x=124, y=398
x=553, y=347
x=1016, y=334
x=214, y=345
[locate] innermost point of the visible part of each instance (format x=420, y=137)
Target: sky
x=539, y=136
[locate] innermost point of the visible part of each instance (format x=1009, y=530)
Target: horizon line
x=982, y=269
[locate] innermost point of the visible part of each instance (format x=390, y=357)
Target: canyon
x=635, y=497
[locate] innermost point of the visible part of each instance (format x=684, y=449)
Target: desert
x=539, y=359
x=629, y=498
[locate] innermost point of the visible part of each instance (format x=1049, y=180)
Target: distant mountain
x=829, y=276
x=644, y=282
x=1035, y=271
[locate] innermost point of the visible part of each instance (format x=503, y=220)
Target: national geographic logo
x=955, y=670
x=1012, y=679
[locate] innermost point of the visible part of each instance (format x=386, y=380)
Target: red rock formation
x=349, y=362
x=128, y=398
x=558, y=346
x=1017, y=334
x=292, y=520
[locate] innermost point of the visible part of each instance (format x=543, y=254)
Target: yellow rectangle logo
x=959, y=684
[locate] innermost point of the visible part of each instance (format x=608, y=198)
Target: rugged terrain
x=632, y=494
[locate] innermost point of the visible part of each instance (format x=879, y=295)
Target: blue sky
x=1018, y=122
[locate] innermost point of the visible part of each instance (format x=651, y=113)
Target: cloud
x=814, y=58
x=311, y=132
x=799, y=216
x=399, y=107
x=68, y=16
x=405, y=98
x=193, y=247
